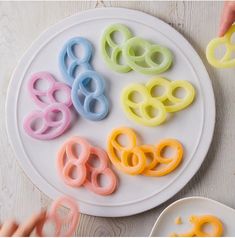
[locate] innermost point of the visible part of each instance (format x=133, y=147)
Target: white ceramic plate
x=193, y=126
x=185, y=207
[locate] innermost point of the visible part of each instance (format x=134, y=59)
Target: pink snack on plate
x=85, y=163
x=51, y=106
x=51, y=127
x=68, y=160
x=48, y=94
x=93, y=183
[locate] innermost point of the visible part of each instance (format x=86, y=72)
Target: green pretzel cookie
x=112, y=51
x=143, y=62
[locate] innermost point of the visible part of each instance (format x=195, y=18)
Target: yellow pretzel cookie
x=158, y=82
x=226, y=61
x=180, y=103
x=170, y=163
x=177, y=103
x=140, y=110
x=198, y=223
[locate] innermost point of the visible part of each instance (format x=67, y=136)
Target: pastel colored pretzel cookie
x=198, y=223
x=68, y=160
x=51, y=107
x=86, y=175
x=119, y=155
x=141, y=109
x=51, y=127
x=135, y=159
x=144, y=62
x=153, y=153
x=71, y=219
x=69, y=60
x=84, y=98
x=170, y=164
x=175, y=103
x=151, y=158
x=93, y=183
x=115, y=149
x=227, y=60
x=39, y=96
x=111, y=50
x=154, y=60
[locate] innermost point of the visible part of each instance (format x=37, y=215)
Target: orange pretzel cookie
x=170, y=163
x=133, y=159
x=121, y=156
x=198, y=222
x=150, y=152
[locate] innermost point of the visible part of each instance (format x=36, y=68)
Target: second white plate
x=186, y=207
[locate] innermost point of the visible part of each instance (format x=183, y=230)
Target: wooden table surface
x=22, y=22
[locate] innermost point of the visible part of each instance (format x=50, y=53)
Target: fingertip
x=8, y=228
x=221, y=32
x=43, y=213
x=227, y=18
x=224, y=27
x=28, y=227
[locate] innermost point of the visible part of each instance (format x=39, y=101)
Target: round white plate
x=193, y=126
x=185, y=207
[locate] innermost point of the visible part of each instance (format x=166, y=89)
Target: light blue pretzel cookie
x=69, y=62
x=83, y=97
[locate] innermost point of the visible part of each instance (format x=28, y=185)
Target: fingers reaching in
x=27, y=228
x=8, y=228
x=227, y=18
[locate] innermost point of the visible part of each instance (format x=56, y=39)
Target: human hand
x=227, y=18
x=12, y=228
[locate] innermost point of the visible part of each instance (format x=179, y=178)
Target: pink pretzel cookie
x=68, y=161
x=38, y=95
x=50, y=127
x=93, y=183
x=51, y=107
x=71, y=219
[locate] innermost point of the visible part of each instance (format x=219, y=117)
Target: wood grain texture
x=22, y=22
